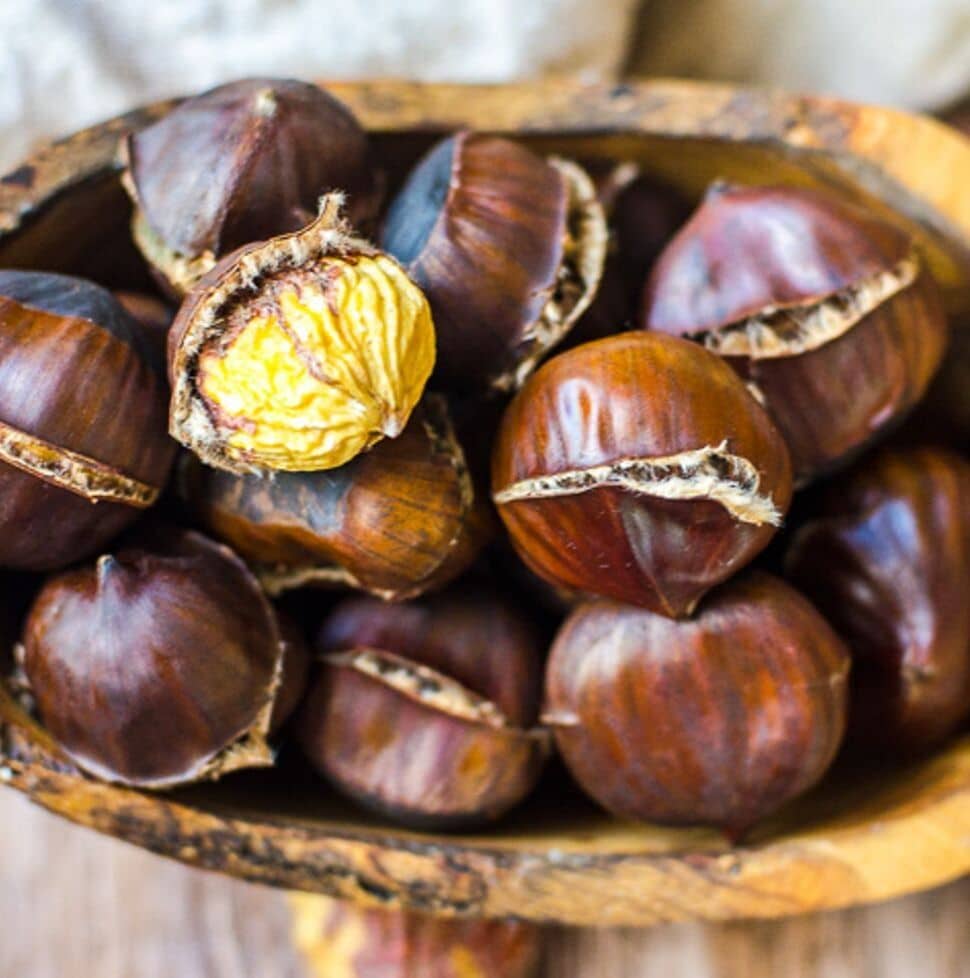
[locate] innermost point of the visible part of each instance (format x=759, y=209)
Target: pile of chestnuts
x=424, y=487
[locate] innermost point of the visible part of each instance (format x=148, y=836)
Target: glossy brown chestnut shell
x=425, y=713
x=639, y=468
x=717, y=720
x=154, y=317
x=160, y=667
x=888, y=562
x=243, y=162
x=83, y=443
x=507, y=246
x=341, y=940
x=826, y=309
x=399, y=520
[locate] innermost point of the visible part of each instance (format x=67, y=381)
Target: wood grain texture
x=77, y=905
x=857, y=839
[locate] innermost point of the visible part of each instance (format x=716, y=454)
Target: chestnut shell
x=246, y=161
x=888, y=562
x=399, y=520
x=484, y=227
x=769, y=251
x=155, y=668
x=401, y=725
x=76, y=378
x=641, y=401
x=719, y=719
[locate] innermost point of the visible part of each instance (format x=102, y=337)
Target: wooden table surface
x=76, y=905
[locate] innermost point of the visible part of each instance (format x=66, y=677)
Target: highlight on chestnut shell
x=887, y=561
x=639, y=467
x=83, y=444
x=426, y=713
x=159, y=667
x=825, y=308
x=399, y=520
x=509, y=249
x=243, y=162
x=716, y=720
x=298, y=353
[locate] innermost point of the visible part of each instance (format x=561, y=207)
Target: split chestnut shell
x=888, y=562
x=508, y=247
x=298, y=353
x=823, y=307
x=638, y=467
x=425, y=713
x=156, y=667
x=83, y=442
x=243, y=162
x=717, y=720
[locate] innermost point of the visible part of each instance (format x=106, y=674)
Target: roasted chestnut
x=717, y=720
x=298, y=353
x=156, y=667
x=425, y=713
x=341, y=940
x=826, y=309
x=83, y=446
x=399, y=520
x=639, y=468
x=507, y=246
x=888, y=562
x=243, y=162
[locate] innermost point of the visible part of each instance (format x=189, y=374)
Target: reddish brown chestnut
x=509, y=249
x=826, y=309
x=639, y=468
x=888, y=562
x=399, y=520
x=83, y=445
x=160, y=667
x=425, y=713
x=718, y=720
x=341, y=940
x=241, y=163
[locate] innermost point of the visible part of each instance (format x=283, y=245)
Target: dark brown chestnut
x=155, y=318
x=83, y=443
x=717, y=720
x=243, y=162
x=399, y=520
x=822, y=306
x=639, y=468
x=508, y=247
x=888, y=562
x=425, y=713
x=157, y=667
x=341, y=940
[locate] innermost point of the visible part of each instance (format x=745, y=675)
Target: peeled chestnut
x=298, y=353
x=399, y=520
x=83, y=445
x=716, y=720
x=243, y=162
x=156, y=667
x=639, y=468
x=824, y=308
x=888, y=562
x=507, y=246
x=425, y=713
x=341, y=940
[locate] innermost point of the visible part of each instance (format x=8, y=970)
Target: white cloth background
x=67, y=63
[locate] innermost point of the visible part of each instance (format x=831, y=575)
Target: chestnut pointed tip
x=265, y=103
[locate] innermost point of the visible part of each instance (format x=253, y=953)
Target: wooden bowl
x=858, y=838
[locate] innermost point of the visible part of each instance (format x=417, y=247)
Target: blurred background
x=77, y=906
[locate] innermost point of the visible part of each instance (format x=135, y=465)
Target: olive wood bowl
x=859, y=837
